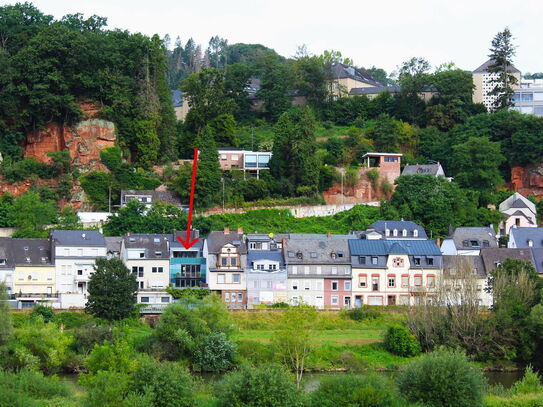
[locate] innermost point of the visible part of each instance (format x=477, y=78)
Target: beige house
x=344, y=78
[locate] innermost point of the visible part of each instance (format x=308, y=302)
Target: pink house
x=337, y=292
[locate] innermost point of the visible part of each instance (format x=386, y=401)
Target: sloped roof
x=386, y=247
x=523, y=235
x=537, y=256
x=113, y=243
x=177, y=98
x=317, y=251
x=422, y=169
x=474, y=234
x=79, y=238
x=217, y=239
x=273, y=255
x=153, y=243
x=375, y=90
x=492, y=257
x=25, y=252
x=451, y=262
x=338, y=70
x=519, y=201
x=380, y=226
x=484, y=68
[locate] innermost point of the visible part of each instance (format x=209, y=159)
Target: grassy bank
x=341, y=343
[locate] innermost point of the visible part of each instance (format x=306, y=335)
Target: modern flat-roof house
x=266, y=272
x=251, y=162
x=148, y=257
x=390, y=272
x=519, y=212
x=319, y=270
x=468, y=241
x=528, y=99
x=388, y=164
x=187, y=266
x=523, y=238
x=149, y=197
x=226, y=255
x=484, y=82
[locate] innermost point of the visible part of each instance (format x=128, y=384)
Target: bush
x=401, y=342
x=442, y=379
x=362, y=313
x=214, y=352
x=530, y=383
x=86, y=337
x=269, y=386
x=46, y=313
x=354, y=391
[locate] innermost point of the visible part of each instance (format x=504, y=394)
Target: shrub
x=442, y=379
x=530, y=383
x=362, y=313
x=46, y=313
x=89, y=335
x=214, y=352
x=255, y=352
x=401, y=342
x=354, y=391
x=280, y=305
x=269, y=386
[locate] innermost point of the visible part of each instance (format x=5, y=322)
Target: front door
x=375, y=283
x=319, y=302
x=358, y=301
x=391, y=300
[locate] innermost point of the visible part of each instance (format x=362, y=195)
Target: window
x=158, y=253
x=415, y=233
x=142, y=255
x=273, y=266
x=164, y=299
x=430, y=261
x=486, y=243
x=474, y=243
x=418, y=280
x=318, y=285
x=234, y=157
x=374, y=260
x=156, y=240
x=416, y=261
x=291, y=254
x=391, y=159
x=395, y=232
x=294, y=269
x=347, y=285
x=227, y=297
x=295, y=285
x=362, y=259
x=80, y=272
x=313, y=255
x=319, y=269
x=224, y=261
x=223, y=156
x=387, y=232
x=397, y=262
x=138, y=271
x=405, y=281
x=335, y=300
x=233, y=262
x=363, y=281
x=530, y=243
x=334, y=285
x=347, y=301
x=430, y=281
x=307, y=285
x=260, y=267
x=391, y=281
x=465, y=243
x=334, y=270
x=404, y=233
x=141, y=285
x=220, y=278
x=144, y=299
x=236, y=278
x=157, y=270
x=240, y=297
x=346, y=270
x=306, y=269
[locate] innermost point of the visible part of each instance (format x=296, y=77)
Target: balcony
x=33, y=295
x=187, y=260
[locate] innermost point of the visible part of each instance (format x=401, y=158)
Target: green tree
x=206, y=97
x=501, y=54
x=477, y=163
x=442, y=379
x=31, y=214
x=294, y=149
x=293, y=341
x=268, y=386
x=399, y=341
x=147, y=143
x=413, y=77
x=6, y=328
x=112, y=288
x=275, y=82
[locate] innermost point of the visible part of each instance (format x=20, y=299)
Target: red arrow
x=188, y=244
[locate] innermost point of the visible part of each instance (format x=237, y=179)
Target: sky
x=372, y=33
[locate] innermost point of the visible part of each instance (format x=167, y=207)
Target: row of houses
x=390, y=263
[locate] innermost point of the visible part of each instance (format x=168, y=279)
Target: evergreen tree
x=502, y=53
x=112, y=290
x=6, y=328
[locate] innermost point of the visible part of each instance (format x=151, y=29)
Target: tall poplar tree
x=502, y=53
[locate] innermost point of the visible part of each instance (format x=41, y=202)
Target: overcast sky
x=382, y=33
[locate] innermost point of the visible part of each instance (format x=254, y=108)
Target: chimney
x=438, y=242
x=240, y=231
x=329, y=235
x=226, y=231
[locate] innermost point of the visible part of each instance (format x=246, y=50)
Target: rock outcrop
x=527, y=180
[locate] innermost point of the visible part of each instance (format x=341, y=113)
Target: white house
x=519, y=212
x=468, y=241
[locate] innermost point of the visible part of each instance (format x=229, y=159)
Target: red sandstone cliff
x=527, y=180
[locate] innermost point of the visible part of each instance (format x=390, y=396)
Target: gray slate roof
x=79, y=238
x=175, y=243
x=422, y=169
x=375, y=90
x=386, y=247
x=25, y=252
x=217, y=239
x=493, y=256
x=177, y=98
x=273, y=255
x=339, y=70
x=113, y=244
x=152, y=243
x=317, y=251
x=381, y=225
x=484, y=68
x=452, y=262
x=522, y=235
x=474, y=234
x=537, y=256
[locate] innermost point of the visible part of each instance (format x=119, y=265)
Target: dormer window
x=156, y=240
x=530, y=243
x=486, y=243
x=415, y=233
x=404, y=233
x=132, y=239
x=333, y=255
x=340, y=254
x=313, y=255
x=158, y=253
x=291, y=254
x=465, y=243
x=395, y=232
x=299, y=255
x=474, y=243
x=387, y=232
x=2, y=261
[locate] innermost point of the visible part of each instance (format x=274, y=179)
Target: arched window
x=387, y=232
x=415, y=233
x=395, y=232
x=404, y=233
